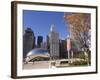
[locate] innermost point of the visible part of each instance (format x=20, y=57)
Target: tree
x=79, y=27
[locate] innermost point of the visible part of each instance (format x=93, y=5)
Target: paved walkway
x=47, y=64
x=36, y=65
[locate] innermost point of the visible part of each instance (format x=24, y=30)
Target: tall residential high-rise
x=39, y=41
x=54, y=43
x=28, y=41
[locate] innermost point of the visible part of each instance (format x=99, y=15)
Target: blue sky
x=41, y=21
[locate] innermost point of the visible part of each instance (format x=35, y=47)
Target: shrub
x=78, y=63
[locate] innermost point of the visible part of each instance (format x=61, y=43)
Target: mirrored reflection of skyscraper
x=54, y=43
x=28, y=41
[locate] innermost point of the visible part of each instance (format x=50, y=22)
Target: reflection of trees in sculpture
x=79, y=26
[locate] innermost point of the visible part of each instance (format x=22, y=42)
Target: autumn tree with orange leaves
x=79, y=27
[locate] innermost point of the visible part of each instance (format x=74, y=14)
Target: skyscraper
x=34, y=42
x=63, y=48
x=44, y=45
x=54, y=43
x=28, y=41
x=39, y=41
x=48, y=44
x=69, y=46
